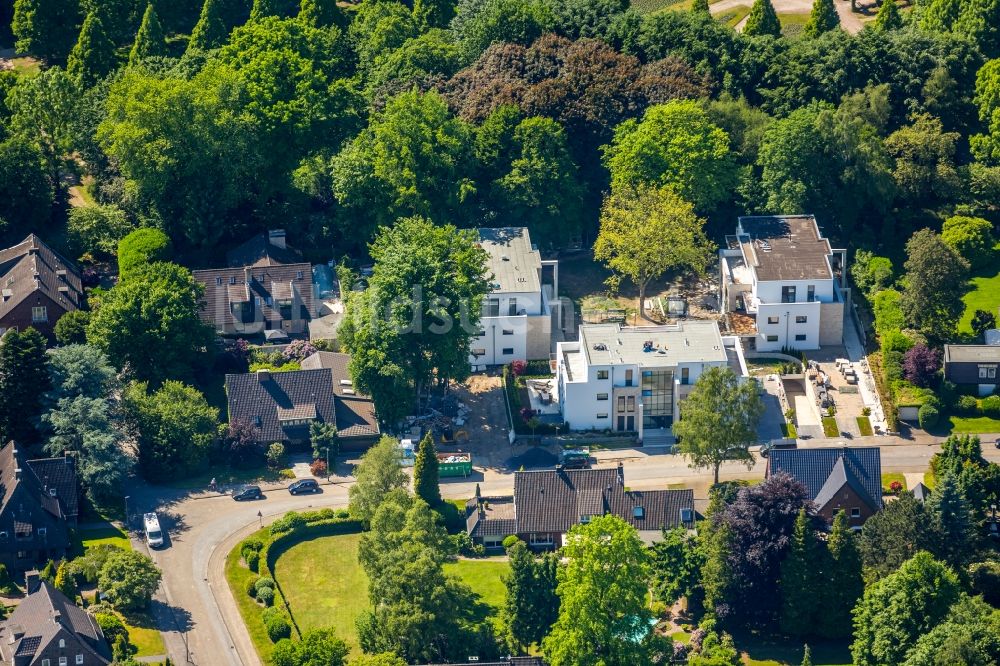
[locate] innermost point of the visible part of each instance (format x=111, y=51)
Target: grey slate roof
x=514, y=264
x=59, y=474
x=260, y=251
x=32, y=266
x=224, y=286
x=257, y=397
x=785, y=248
x=44, y=617
x=355, y=411
x=494, y=517
x=921, y=492
x=824, y=471
x=971, y=354
x=555, y=500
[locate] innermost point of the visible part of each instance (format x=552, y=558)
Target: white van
x=154, y=535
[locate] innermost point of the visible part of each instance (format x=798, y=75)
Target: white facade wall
x=787, y=328
x=505, y=338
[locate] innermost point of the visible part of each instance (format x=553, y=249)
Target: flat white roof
x=691, y=341
x=514, y=264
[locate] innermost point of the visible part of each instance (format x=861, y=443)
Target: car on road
x=248, y=493
x=304, y=486
x=767, y=447
x=997, y=443
x=151, y=526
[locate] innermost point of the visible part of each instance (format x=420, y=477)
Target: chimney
x=247, y=275
x=263, y=376
x=17, y=473
x=32, y=581
x=621, y=474
x=276, y=237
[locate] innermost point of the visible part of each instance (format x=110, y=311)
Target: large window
x=801, y=319
x=658, y=398
x=512, y=307
x=40, y=314
x=602, y=374
x=788, y=294
x=493, y=307
x=772, y=320
x=811, y=293
x=987, y=372
x=628, y=377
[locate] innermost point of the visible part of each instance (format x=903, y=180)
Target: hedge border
x=318, y=524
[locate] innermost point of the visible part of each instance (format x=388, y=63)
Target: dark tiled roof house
x=265, y=249
x=47, y=629
x=37, y=287
x=39, y=504
x=547, y=503
x=355, y=412
x=281, y=405
x=848, y=478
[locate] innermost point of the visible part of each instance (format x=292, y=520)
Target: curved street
x=198, y=615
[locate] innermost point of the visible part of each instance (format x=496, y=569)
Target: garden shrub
x=966, y=404
x=287, y=523
x=277, y=626
x=343, y=513
x=317, y=467
x=984, y=577
x=947, y=392
x=111, y=625
x=509, y=541
x=141, y=248
x=252, y=586
x=927, y=416
x=265, y=595
x=252, y=544
x=991, y=406
x=252, y=558
x=264, y=582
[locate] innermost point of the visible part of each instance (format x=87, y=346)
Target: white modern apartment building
x=634, y=379
x=782, y=284
x=516, y=322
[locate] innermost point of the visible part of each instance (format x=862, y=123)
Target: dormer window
x=218, y=281
x=22, y=531
x=232, y=279
x=638, y=512
x=299, y=275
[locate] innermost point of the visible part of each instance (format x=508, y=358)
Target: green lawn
x=26, y=66
x=792, y=25
x=889, y=477
x=483, y=576
x=733, y=16
x=974, y=425
x=865, y=426
x=788, y=431
x=984, y=295
x=830, y=427
x=324, y=584
x=777, y=651
x=108, y=534
x=144, y=636
x=237, y=576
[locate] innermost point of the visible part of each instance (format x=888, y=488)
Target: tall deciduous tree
x=762, y=20
x=647, y=231
x=150, y=41
x=969, y=635
x=46, y=28
x=746, y=542
x=900, y=608
x=677, y=560
x=93, y=56
x=26, y=188
x=45, y=108
x=413, y=325
x=128, y=580
x=378, y=474
x=433, y=13
x=871, y=274
x=801, y=580
x=675, y=144
x=264, y=8
x=149, y=324
x=720, y=420
x=24, y=378
x=895, y=534
x=935, y=280
x=531, y=605
x=603, y=613
x=841, y=580
x=426, y=484
x=972, y=238
x=822, y=18
x=173, y=429
x=322, y=13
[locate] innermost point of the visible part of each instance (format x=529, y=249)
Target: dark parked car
x=304, y=486
x=248, y=493
x=776, y=444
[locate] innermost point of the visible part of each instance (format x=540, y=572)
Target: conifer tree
x=323, y=13
x=843, y=584
x=425, y=472
x=822, y=18
x=24, y=377
x=953, y=515
x=762, y=20
x=799, y=579
x=807, y=656
x=150, y=40
x=531, y=605
x=45, y=28
x=264, y=8
x=700, y=7
x=210, y=32
x=888, y=17
x=93, y=57
x=64, y=581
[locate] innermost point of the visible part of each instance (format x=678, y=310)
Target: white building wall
x=505, y=338
x=778, y=326
x=769, y=291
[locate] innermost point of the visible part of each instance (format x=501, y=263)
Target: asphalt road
x=198, y=615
